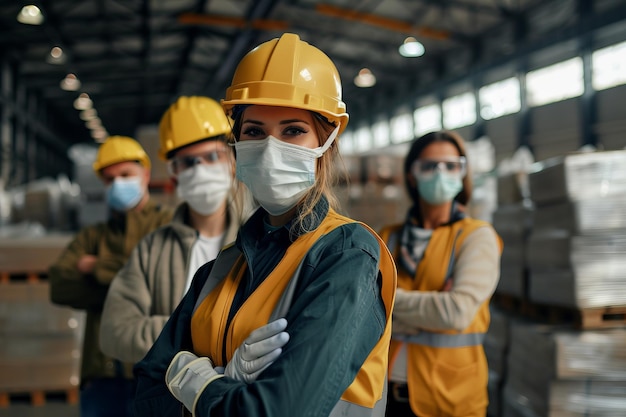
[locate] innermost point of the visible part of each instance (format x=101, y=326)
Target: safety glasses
x=424, y=168
x=180, y=163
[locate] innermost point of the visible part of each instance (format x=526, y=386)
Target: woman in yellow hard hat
x=448, y=267
x=325, y=280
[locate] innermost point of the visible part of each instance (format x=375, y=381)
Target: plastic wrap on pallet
x=598, y=215
x=542, y=357
x=512, y=267
x=41, y=342
x=588, y=398
x=589, y=271
x=513, y=224
x=513, y=219
x=581, y=176
x=512, y=187
x=34, y=253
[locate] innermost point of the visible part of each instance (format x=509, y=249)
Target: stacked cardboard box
x=578, y=238
x=41, y=342
x=557, y=371
x=31, y=255
x=513, y=223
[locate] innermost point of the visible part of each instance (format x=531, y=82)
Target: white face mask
x=204, y=186
x=278, y=174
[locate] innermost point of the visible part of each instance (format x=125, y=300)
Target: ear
x=146, y=176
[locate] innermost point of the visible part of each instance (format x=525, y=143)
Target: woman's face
x=437, y=155
x=294, y=126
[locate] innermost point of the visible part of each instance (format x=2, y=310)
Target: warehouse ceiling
x=134, y=57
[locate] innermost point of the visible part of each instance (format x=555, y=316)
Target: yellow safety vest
x=446, y=370
x=365, y=396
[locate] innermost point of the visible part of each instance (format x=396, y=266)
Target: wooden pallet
x=38, y=398
x=9, y=277
x=582, y=318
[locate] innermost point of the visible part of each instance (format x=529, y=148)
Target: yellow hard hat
x=189, y=120
x=288, y=72
x=118, y=149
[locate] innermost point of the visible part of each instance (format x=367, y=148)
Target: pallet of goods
x=567, y=354
x=555, y=371
x=40, y=352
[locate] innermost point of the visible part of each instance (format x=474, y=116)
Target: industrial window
x=555, y=83
x=459, y=110
x=499, y=98
x=427, y=119
x=363, y=139
x=401, y=128
x=609, y=66
x=380, y=133
x=346, y=143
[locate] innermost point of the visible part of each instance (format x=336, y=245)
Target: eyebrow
x=282, y=122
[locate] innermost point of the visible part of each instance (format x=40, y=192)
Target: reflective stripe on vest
x=442, y=339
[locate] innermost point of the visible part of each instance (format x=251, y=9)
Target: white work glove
x=258, y=351
x=188, y=376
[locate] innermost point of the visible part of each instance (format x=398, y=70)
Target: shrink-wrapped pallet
x=547, y=364
x=588, y=398
x=581, y=176
x=584, y=271
x=29, y=254
x=41, y=341
x=513, y=224
x=600, y=215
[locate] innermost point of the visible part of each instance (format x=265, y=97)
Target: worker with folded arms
x=298, y=264
x=82, y=275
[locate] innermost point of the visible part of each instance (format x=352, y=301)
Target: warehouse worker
x=193, y=140
x=329, y=277
x=81, y=276
x=448, y=268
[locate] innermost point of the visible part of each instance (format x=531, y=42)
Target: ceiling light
x=94, y=124
x=365, y=78
x=70, y=83
x=83, y=102
x=99, y=135
x=88, y=114
x=411, y=48
x=56, y=56
x=30, y=15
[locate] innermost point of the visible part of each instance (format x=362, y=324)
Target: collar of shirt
x=254, y=230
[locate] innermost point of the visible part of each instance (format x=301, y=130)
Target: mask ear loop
x=320, y=151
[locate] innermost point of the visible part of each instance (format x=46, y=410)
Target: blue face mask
x=439, y=188
x=124, y=193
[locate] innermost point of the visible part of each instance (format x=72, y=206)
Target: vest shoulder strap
x=221, y=267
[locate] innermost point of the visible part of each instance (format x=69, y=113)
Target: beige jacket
x=149, y=287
